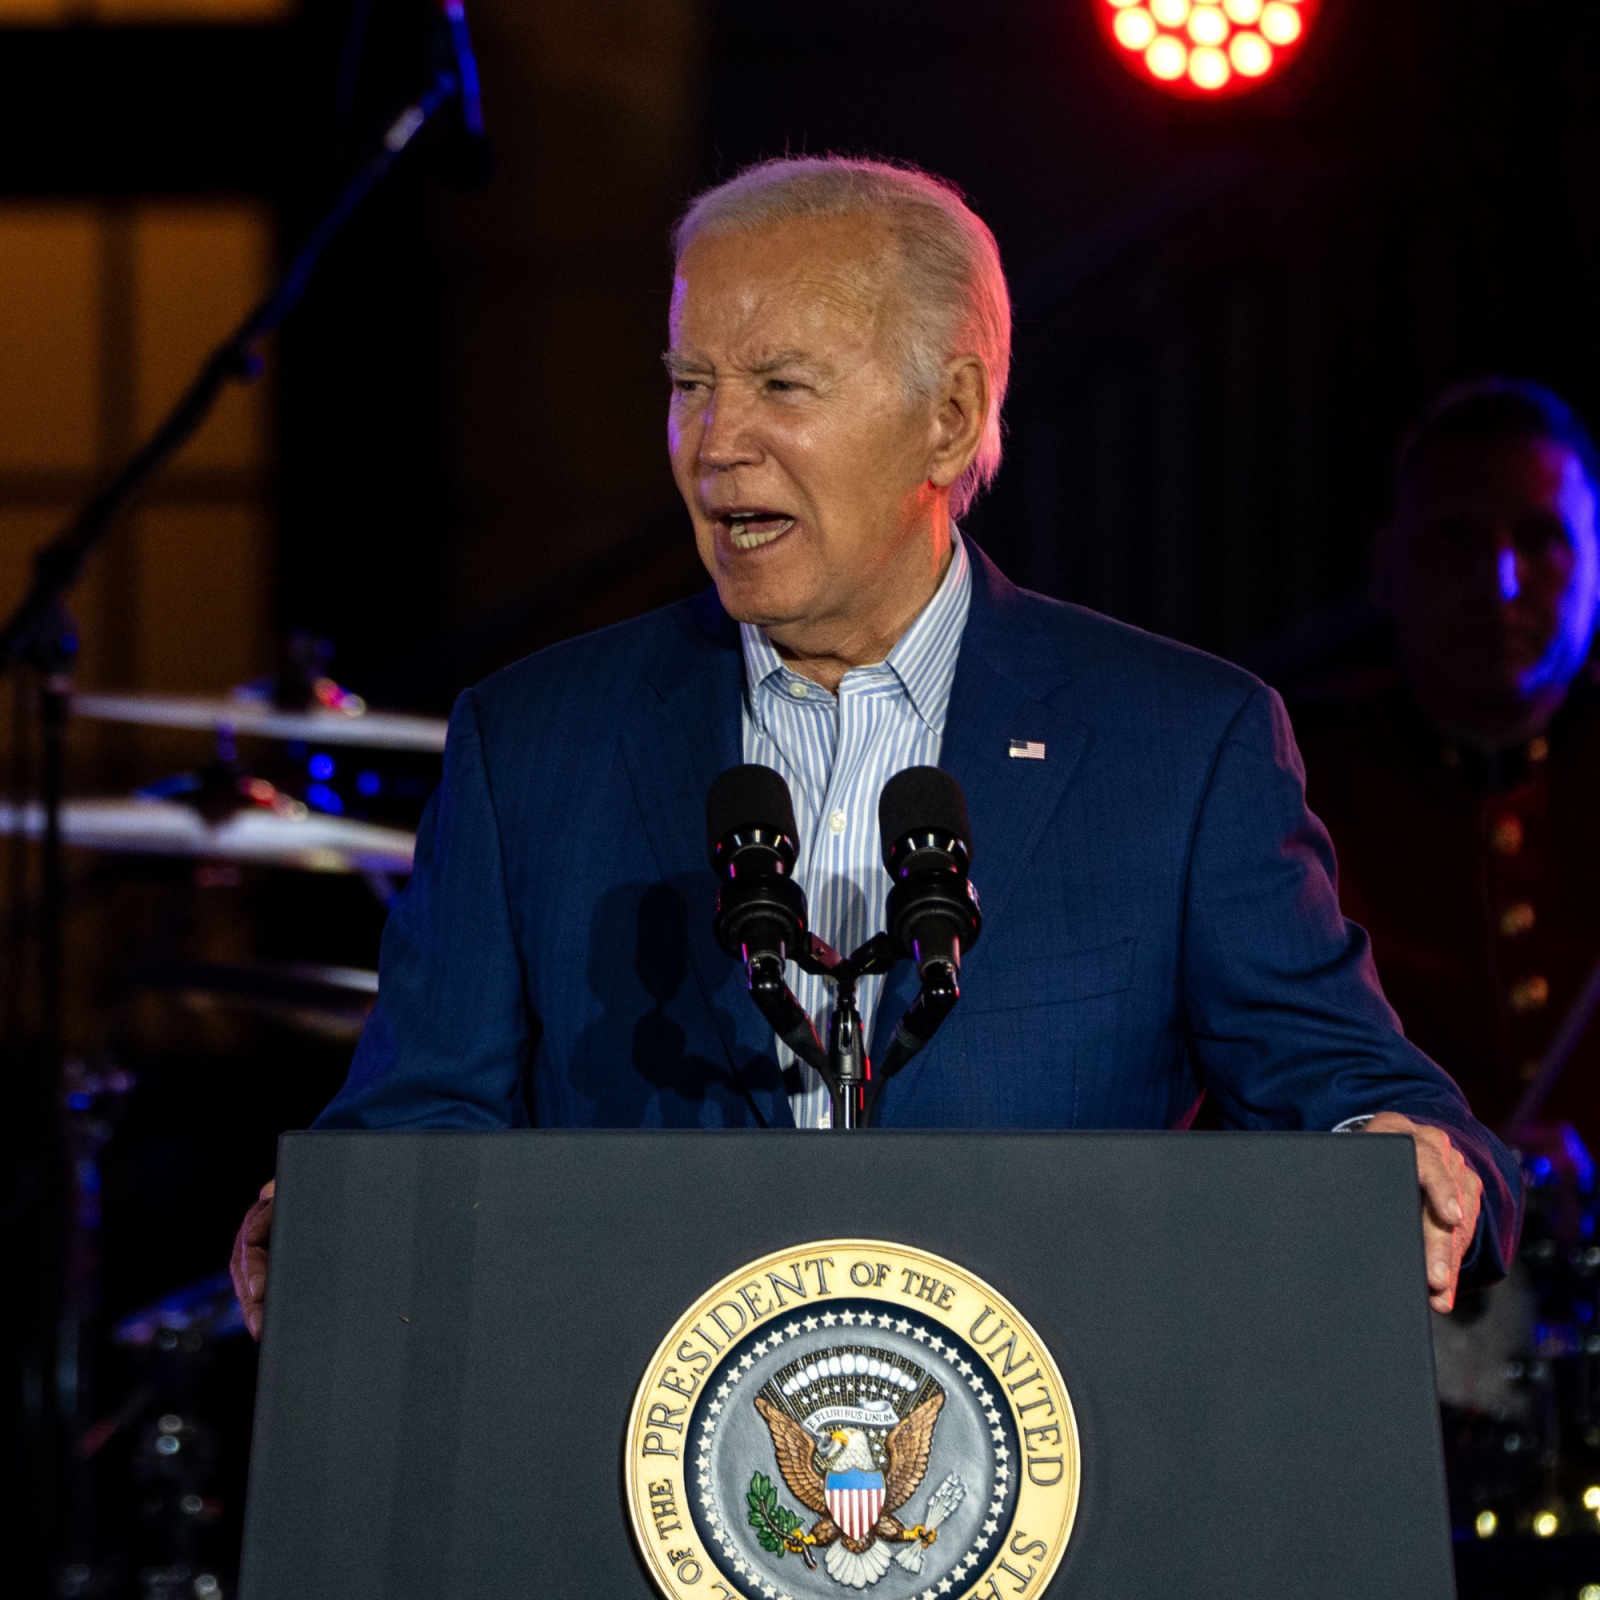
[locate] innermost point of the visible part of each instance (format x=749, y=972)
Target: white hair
x=949, y=266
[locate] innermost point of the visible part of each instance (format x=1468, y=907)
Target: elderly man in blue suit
x=1161, y=917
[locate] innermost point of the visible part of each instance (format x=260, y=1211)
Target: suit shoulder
x=589, y=670
x=1100, y=649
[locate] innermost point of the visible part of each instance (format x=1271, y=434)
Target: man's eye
x=782, y=385
x=688, y=385
x=1543, y=533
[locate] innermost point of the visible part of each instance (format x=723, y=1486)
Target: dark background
x=1225, y=311
x=1224, y=315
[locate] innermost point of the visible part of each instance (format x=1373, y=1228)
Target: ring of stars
x=740, y=1566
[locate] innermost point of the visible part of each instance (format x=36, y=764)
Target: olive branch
x=777, y=1527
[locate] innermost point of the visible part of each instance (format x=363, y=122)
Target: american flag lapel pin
x=1027, y=750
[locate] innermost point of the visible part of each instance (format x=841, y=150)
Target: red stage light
x=1206, y=49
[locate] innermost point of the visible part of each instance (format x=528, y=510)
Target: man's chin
x=764, y=605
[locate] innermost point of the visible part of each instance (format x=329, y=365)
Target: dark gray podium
x=457, y=1324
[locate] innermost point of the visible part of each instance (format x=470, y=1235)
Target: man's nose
x=726, y=439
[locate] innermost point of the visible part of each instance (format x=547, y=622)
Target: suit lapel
x=681, y=738
x=1006, y=684
x=1006, y=678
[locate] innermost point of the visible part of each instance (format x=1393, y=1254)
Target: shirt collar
x=923, y=659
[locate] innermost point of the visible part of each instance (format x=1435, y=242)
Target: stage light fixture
x=1206, y=49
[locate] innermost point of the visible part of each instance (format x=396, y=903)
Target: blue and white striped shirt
x=836, y=753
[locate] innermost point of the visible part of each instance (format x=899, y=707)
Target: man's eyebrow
x=780, y=358
x=676, y=363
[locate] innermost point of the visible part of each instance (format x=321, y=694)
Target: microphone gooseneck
x=933, y=909
x=927, y=847
x=752, y=843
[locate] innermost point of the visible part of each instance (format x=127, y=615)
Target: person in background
x=1460, y=780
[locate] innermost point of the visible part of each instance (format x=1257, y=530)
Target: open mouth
x=749, y=529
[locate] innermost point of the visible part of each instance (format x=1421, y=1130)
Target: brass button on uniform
x=1505, y=836
x=1528, y=1070
x=1538, y=749
x=1517, y=918
x=1530, y=994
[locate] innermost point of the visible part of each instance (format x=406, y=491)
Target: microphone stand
x=39, y=635
x=843, y=1066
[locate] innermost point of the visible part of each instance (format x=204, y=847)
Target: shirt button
x=1505, y=837
x=1530, y=994
x=799, y=690
x=837, y=821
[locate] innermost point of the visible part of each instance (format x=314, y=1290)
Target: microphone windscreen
x=921, y=798
x=744, y=797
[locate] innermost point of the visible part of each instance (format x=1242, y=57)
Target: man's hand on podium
x=249, y=1263
x=1451, y=1195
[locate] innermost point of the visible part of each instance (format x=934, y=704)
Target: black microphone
x=927, y=847
x=468, y=157
x=752, y=841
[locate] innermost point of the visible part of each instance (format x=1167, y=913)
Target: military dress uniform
x=1478, y=879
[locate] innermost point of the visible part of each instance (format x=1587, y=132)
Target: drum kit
x=344, y=775
x=332, y=788
x=223, y=817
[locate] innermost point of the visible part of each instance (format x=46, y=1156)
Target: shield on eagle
x=854, y=1501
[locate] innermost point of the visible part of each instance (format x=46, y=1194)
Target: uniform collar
x=1487, y=772
x=923, y=661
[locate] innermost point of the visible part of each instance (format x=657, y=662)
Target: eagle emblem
x=852, y=1430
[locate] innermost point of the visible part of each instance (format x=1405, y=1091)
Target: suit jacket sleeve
x=1285, y=1015
x=447, y=1044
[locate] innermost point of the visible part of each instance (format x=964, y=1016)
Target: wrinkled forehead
x=808, y=284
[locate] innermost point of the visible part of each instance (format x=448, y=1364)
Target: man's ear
x=959, y=420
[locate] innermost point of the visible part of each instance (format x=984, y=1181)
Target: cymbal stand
x=38, y=636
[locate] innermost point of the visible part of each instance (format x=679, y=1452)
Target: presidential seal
x=850, y=1416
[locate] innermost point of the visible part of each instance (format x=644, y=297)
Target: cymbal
x=255, y=836
x=378, y=730
x=329, y=1001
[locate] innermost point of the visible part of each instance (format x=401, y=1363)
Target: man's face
x=1494, y=583
x=801, y=458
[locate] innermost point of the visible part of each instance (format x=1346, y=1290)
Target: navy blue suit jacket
x=1159, y=906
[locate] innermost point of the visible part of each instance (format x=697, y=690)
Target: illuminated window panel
x=197, y=270
x=1206, y=49
x=204, y=597
x=134, y=13
x=106, y=312
x=50, y=287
